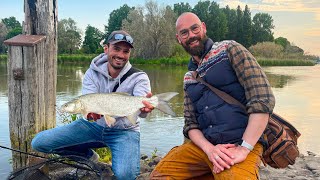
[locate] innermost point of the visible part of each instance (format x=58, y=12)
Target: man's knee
x=38, y=143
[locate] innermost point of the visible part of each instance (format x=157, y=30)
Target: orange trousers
x=188, y=161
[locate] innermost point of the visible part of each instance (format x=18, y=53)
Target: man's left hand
x=240, y=153
x=148, y=107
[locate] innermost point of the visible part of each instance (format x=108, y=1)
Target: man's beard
x=198, y=50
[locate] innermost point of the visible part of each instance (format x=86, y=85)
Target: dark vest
x=219, y=121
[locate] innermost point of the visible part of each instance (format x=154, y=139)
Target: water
x=296, y=90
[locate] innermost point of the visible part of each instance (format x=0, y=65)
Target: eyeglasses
x=195, y=29
x=129, y=39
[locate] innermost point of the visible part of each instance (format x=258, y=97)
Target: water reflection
x=296, y=90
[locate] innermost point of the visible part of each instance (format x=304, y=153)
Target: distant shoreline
x=87, y=58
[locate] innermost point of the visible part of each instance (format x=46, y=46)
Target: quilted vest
x=219, y=121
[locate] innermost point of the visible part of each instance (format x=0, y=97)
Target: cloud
x=312, y=6
x=314, y=32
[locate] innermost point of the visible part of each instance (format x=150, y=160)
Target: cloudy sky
x=296, y=20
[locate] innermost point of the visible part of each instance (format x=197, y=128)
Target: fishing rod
x=56, y=159
x=19, y=151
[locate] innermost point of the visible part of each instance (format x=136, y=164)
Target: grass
x=87, y=58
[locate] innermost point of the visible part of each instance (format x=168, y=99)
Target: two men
x=123, y=138
x=226, y=142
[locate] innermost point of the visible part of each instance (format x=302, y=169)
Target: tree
x=282, y=41
x=69, y=36
x=116, y=17
x=247, y=28
x=201, y=9
x=262, y=28
x=180, y=8
x=14, y=32
x=11, y=23
x=217, y=23
x=153, y=32
x=92, y=40
x=239, y=36
x=215, y=19
x=13, y=27
x=231, y=16
x=3, y=35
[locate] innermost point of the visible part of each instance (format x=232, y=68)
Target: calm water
x=296, y=90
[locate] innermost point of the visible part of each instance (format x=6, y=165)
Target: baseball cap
x=120, y=36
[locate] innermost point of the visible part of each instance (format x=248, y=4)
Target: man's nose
x=121, y=54
x=191, y=34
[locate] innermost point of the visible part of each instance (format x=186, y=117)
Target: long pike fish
x=117, y=105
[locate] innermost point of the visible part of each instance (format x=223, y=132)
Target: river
x=297, y=99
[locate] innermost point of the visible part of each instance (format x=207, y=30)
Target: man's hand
x=240, y=153
x=148, y=107
x=93, y=116
x=220, y=156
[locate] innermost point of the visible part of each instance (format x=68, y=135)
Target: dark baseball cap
x=120, y=36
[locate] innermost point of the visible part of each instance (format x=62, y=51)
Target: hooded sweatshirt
x=98, y=80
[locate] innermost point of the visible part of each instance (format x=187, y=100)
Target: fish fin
x=109, y=120
x=133, y=117
x=163, y=102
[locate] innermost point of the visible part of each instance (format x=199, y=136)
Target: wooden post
x=32, y=76
x=26, y=92
x=41, y=18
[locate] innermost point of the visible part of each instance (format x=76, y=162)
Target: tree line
x=153, y=29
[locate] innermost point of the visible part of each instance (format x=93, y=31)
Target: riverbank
x=87, y=58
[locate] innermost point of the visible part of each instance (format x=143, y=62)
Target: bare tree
x=153, y=32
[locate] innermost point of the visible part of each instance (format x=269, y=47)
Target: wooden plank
x=25, y=40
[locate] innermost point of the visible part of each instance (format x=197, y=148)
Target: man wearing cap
x=105, y=75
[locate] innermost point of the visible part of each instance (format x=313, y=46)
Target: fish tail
x=163, y=102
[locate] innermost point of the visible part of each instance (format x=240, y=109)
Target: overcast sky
x=296, y=20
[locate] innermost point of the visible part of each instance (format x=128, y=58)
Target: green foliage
x=262, y=26
x=14, y=32
x=105, y=154
x=92, y=39
x=231, y=16
x=285, y=62
x=239, y=22
x=116, y=17
x=282, y=41
x=154, y=153
x=11, y=23
x=9, y=27
x=247, y=27
x=3, y=57
x=180, y=8
x=69, y=36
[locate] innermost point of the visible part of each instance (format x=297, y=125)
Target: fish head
x=74, y=106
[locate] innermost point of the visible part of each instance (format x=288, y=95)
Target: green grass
x=285, y=62
x=87, y=58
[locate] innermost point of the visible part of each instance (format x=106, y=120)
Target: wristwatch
x=246, y=145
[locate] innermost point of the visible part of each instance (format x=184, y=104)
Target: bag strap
x=124, y=77
x=223, y=95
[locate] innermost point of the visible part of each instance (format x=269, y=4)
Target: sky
x=296, y=20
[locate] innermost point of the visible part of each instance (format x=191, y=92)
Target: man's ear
x=177, y=38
